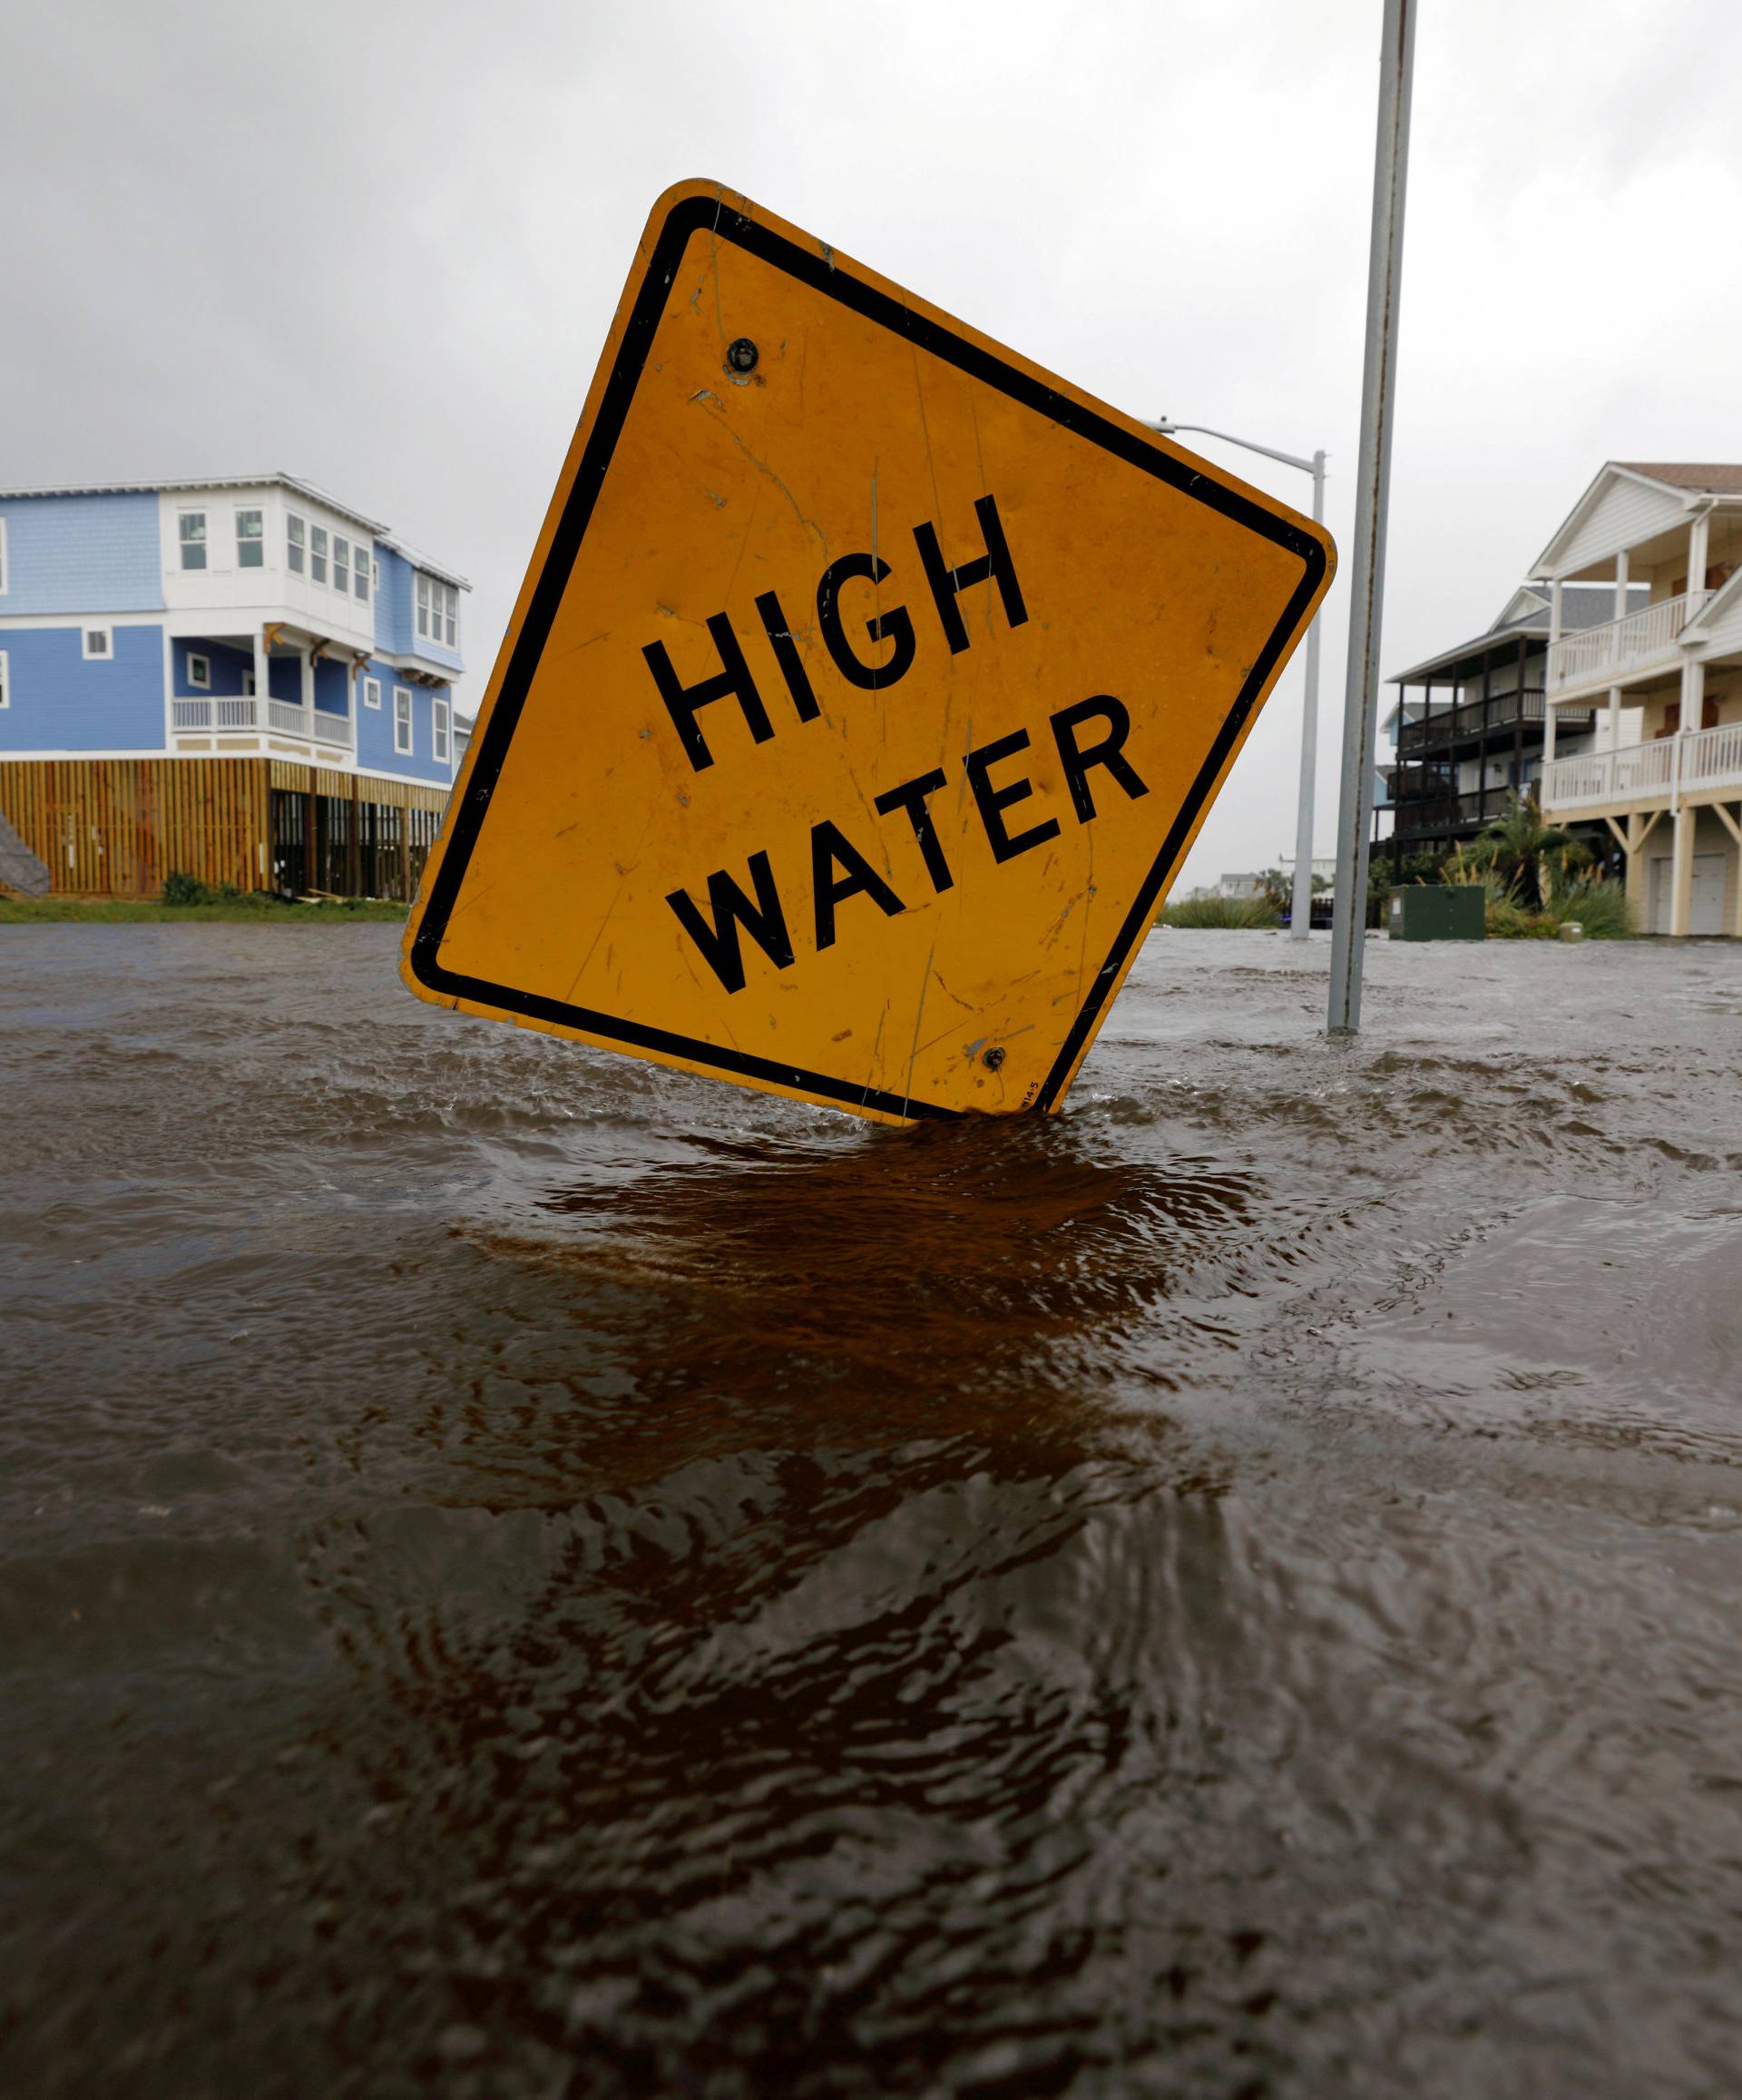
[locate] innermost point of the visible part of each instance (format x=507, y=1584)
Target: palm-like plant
x=1524, y=852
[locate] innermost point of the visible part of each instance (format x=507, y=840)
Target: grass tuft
x=1227, y=912
x=239, y=910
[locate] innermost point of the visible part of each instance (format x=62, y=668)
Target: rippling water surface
x=523, y=1573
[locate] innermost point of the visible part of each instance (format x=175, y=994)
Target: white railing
x=1645, y=769
x=1633, y=771
x=1599, y=654
x=1713, y=757
x=218, y=713
x=1586, y=778
x=310, y=723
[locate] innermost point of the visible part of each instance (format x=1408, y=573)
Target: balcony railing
x=310, y=723
x=1476, y=718
x=1713, y=757
x=217, y=713
x=1441, y=811
x=1599, y=654
x=1617, y=776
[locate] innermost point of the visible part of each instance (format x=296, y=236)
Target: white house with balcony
x=252, y=623
x=1664, y=681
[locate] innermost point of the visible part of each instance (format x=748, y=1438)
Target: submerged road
x=523, y=1573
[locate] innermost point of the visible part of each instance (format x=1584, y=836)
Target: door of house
x=1705, y=905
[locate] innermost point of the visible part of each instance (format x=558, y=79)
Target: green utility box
x=1429, y=911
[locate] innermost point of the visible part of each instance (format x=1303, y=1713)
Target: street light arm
x=1301, y=915
x=1270, y=451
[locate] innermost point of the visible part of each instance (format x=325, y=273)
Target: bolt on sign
x=867, y=689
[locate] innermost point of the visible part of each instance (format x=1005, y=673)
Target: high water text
x=1088, y=735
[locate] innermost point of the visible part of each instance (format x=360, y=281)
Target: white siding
x=1626, y=513
x=1721, y=636
x=1521, y=604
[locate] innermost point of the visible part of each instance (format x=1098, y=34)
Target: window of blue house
x=341, y=564
x=371, y=692
x=438, y=608
x=99, y=646
x=439, y=745
x=402, y=719
x=318, y=553
x=250, y=540
x=200, y=672
x=365, y=560
x=296, y=535
x=193, y=539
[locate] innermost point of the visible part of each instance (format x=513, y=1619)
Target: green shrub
x=1508, y=919
x=1597, y=905
x=1222, y=911
x=179, y=889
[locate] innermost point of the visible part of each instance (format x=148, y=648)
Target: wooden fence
x=118, y=826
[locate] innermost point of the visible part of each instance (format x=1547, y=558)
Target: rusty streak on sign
x=867, y=686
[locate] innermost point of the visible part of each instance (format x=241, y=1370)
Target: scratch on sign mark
x=762, y=466
x=913, y=1048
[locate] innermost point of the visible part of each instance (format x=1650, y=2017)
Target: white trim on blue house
x=17, y=623
x=5, y=680
x=2, y=558
x=311, y=490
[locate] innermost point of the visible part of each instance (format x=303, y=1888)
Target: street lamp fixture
x=1301, y=911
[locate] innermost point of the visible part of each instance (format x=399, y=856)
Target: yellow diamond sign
x=867, y=689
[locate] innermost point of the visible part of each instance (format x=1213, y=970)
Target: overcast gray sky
x=379, y=245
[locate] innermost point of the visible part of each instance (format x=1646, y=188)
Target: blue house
x=286, y=648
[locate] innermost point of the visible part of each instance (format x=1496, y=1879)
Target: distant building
x=1468, y=729
x=1239, y=886
x=1660, y=546
x=242, y=679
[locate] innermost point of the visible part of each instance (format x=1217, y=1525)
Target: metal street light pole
x=1301, y=912
x=1373, y=488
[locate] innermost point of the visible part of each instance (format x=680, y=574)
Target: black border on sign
x=822, y=274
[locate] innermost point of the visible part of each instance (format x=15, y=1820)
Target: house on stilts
x=241, y=679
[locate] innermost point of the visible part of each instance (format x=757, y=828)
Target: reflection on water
x=526, y=1574
x=960, y=1278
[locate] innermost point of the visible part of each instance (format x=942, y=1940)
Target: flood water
x=523, y=1573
